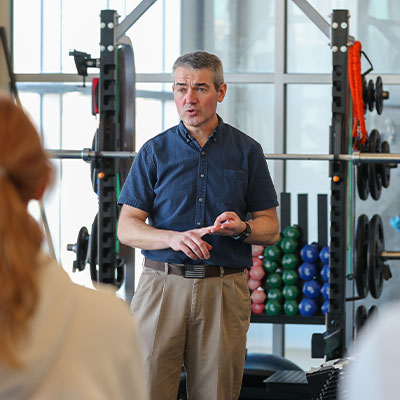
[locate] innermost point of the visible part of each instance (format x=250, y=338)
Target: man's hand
x=191, y=243
x=228, y=224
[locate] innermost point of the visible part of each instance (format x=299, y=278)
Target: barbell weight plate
x=82, y=248
x=360, y=263
x=93, y=259
x=127, y=95
x=125, y=265
x=372, y=311
x=371, y=95
x=374, y=177
x=365, y=93
x=362, y=176
x=379, y=95
x=385, y=169
x=120, y=264
x=361, y=317
x=376, y=245
x=119, y=274
x=94, y=165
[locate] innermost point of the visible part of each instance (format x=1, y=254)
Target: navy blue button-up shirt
x=183, y=186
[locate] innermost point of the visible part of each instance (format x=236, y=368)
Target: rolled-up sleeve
x=138, y=190
x=261, y=194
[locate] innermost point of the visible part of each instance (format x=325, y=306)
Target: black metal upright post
x=335, y=343
x=107, y=140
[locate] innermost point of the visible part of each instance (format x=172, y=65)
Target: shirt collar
x=188, y=137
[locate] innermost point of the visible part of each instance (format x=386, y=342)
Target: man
x=185, y=203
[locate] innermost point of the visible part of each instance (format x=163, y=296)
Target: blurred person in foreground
x=373, y=369
x=58, y=340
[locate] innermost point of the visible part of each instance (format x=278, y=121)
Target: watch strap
x=243, y=235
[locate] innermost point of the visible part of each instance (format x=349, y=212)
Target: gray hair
x=201, y=60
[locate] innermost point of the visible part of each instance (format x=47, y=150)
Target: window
x=374, y=23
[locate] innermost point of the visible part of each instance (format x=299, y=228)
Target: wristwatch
x=244, y=235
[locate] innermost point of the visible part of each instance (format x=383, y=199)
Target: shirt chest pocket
x=233, y=187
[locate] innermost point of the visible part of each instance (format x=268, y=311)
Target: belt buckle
x=195, y=271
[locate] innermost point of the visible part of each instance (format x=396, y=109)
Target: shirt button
x=201, y=175
x=200, y=199
x=198, y=223
x=203, y=153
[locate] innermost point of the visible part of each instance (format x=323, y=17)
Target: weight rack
x=107, y=140
x=335, y=337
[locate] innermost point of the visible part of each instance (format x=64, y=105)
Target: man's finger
x=216, y=229
x=200, y=253
x=203, y=231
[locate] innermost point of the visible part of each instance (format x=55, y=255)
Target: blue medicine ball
x=311, y=289
x=325, y=290
x=308, y=307
x=324, y=255
x=309, y=253
x=325, y=307
x=325, y=271
x=307, y=271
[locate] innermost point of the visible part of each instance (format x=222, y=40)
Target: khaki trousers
x=201, y=323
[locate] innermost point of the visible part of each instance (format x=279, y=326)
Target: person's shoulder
x=241, y=136
x=104, y=311
x=104, y=298
x=230, y=129
x=91, y=301
x=160, y=137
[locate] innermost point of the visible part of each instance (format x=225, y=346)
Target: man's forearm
x=134, y=232
x=264, y=231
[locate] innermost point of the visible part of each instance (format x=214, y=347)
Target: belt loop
x=166, y=268
x=222, y=273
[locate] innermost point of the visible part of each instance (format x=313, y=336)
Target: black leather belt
x=198, y=271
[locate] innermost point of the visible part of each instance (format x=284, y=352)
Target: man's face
x=196, y=97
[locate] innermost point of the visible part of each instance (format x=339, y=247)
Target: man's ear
x=221, y=92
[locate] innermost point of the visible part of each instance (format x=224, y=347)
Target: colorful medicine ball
x=309, y=253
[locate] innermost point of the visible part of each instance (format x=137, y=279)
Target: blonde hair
x=25, y=170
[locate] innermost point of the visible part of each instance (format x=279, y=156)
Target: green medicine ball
x=290, y=276
x=275, y=294
x=290, y=307
x=289, y=245
x=292, y=231
x=290, y=261
x=274, y=280
x=270, y=266
x=272, y=253
x=273, y=307
x=290, y=292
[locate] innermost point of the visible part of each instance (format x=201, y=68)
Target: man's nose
x=191, y=96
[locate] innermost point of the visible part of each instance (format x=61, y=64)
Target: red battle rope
x=355, y=79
